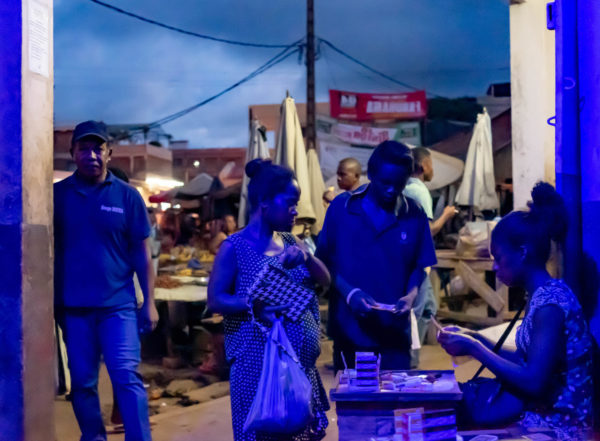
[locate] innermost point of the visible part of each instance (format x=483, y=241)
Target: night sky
x=114, y=68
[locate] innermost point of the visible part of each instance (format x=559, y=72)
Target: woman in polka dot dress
x=273, y=194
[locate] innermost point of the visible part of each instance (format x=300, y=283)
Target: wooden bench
x=468, y=268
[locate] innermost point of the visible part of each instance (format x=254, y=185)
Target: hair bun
x=548, y=209
x=255, y=166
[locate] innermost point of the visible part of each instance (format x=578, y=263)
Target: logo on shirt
x=111, y=209
x=403, y=236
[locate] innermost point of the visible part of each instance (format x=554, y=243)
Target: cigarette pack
x=409, y=424
x=367, y=370
x=419, y=425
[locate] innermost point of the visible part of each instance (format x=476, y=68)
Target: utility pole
x=310, y=75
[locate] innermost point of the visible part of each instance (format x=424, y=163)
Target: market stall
x=181, y=289
x=369, y=413
x=417, y=405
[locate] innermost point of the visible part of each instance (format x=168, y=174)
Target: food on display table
x=200, y=273
x=164, y=258
x=182, y=253
x=166, y=281
x=204, y=256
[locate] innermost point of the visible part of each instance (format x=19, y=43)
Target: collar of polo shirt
x=353, y=207
x=80, y=185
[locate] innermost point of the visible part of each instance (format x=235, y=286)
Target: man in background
x=101, y=239
x=425, y=306
x=155, y=238
x=348, y=178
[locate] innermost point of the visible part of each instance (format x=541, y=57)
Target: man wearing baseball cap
x=101, y=232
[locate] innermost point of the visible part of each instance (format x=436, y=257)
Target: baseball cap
x=90, y=128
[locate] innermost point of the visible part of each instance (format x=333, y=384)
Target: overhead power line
x=281, y=56
x=259, y=45
x=369, y=68
x=183, y=31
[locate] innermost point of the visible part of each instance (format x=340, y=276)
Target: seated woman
x=546, y=382
x=227, y=228
x=273, y=193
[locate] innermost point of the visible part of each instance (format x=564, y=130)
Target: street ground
x=211, y=420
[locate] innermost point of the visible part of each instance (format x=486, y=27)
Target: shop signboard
x=355, y=106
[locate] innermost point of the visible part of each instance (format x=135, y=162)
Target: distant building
x=189, y=163
x=268, y=114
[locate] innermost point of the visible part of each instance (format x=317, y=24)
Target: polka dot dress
x=245, y=346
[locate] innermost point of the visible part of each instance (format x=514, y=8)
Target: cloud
x=111, y=67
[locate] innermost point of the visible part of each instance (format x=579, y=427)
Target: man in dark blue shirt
x=376, y=244
x=101, y=238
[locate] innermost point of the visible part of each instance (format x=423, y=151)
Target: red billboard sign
x=373, y=106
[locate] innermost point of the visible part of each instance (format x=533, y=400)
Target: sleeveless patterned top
x=569, y=409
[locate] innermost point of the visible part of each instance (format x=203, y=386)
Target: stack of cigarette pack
x=409, y=424
x=420, y=425
x=367, y=371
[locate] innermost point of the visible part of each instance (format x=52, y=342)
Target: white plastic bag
x=474, y=239
x=283, y=401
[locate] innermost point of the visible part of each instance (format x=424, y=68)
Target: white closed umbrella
x=257, y=148
x=478, y=187
x=290, y=151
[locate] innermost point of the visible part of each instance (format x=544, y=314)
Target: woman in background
x=228, y=227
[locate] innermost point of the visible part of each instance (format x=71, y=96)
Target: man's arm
x=359, y=301
x=426, y=258
x=414, y=281
x=142, y=264
x=436, y=225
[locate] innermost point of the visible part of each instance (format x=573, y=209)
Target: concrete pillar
x=588, y=28
x=26, y=291
x=532, y=101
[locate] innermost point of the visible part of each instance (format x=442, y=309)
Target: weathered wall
x=532, y=85
x=26, y=294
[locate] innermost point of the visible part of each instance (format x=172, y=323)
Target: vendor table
x=194, y=290
x=185, y=293
x=468, y=267
x=363, y=415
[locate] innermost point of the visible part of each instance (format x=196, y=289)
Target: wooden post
x=310, y=76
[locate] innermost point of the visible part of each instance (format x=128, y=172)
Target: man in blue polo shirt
x=376, y=244
x=101, y=239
